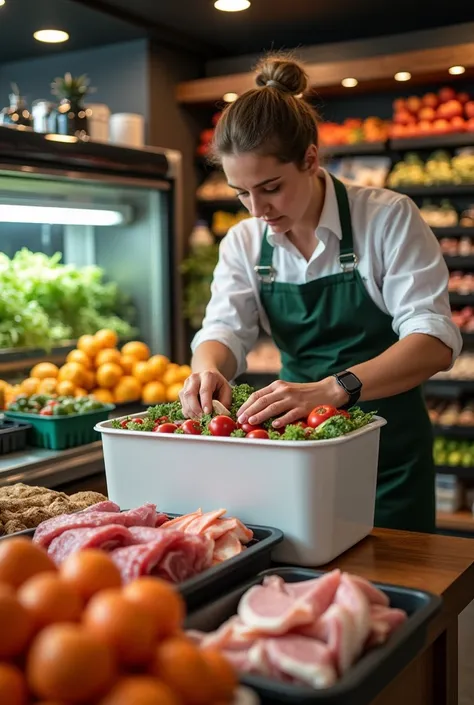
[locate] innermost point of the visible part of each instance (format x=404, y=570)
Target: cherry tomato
x=162, y=419
x=343, y=412
x=320, y=414
x=47, y=411
x=52, y=402
x=192, y=428
x=138, y=421
x=166, y=428
x=248, y=427
x=303, y=424
x=258, y=433
x=222, y=426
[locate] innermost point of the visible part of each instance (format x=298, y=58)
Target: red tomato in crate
x=343, y=412
x=258, y=433
x=222, y=426
x=138, y=421
x=47, y=411
x=191, y=428
x=320, y=414
x=248, y=427
x=166, y=428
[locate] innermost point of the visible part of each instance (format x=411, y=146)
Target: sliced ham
x=180, y=523
x=336, y=629
x=105, y=538
x=356, y=603
x=307, y=660
x=226, y=547
x=373, y=594
x=106, y=506
x=161, y=519
x=200, y=523
x=272, y=611
x=221, y=527
x=383, y=622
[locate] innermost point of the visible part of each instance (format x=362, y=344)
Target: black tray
x=225, y=576
x=366, y=679
x=12, y=436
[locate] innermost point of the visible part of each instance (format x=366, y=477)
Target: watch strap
x=354, y=395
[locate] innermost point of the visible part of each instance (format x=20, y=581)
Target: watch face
x=351, y=383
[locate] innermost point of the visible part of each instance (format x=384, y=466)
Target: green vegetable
x=240, y=394
x=170, y=409
x=197, y=270
x=238, y=433
x=340, y=425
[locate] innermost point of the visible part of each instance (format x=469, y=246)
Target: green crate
x=61, y=432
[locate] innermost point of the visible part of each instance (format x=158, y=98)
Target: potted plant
x=70, y=116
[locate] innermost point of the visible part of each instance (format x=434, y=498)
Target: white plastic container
x=321, y=494
x=127, y=129
x=98, y=117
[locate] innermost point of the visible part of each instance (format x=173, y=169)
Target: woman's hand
x=200, y=389
x=294, y=401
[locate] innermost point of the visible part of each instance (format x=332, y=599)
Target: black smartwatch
x=352, y=385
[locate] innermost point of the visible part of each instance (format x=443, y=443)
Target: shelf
x=460, y=262
x=456, y=521
x=461, y=299
x=456, y=231
x=460, y=433
x=449, y=388
x=436, y=191
x=446, y=141
x=354, y=150
x=460, y=472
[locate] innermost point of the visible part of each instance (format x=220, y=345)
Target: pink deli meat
x=106, y=506
x=105, y=538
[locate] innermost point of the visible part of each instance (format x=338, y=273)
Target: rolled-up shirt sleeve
x=232, y=313
x=415, y=282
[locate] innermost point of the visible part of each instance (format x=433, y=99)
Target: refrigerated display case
x=98, y=204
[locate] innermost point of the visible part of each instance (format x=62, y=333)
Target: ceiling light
x=402, y=76
x=230, y=97
x=456, y=70
x=20, y=211
x=232, y=5
x=51, y=36
x=349, y=82
x=2, y=2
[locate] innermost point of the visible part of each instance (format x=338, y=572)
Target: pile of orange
x=98, y=367
x=75, y=636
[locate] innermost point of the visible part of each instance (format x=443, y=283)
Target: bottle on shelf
x=17, y=114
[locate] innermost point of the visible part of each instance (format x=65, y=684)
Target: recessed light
x=230, y=97
x=456, y=70
x=349, y=82
x=2, y=2
x=232, y=5
x=51, y=36
x=402, y=76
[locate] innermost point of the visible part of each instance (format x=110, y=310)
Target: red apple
x=430, y=100
x=398, y=105
x=463, y=98
x=413, y=104
x=397, y=131
x=470, y=125
x=446, y=93
x=427, y=113
x=441, y=127
x=425, y=127
x=469, y=108
x=458, y=124
x=403, y=117
x=452, y=108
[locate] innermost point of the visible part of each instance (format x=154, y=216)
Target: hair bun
x=284, y=74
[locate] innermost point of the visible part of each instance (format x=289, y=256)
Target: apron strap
x=347, y=256
x=264, y=269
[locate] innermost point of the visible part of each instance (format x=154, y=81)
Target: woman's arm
x=212, y=355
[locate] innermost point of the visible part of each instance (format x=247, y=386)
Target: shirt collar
x=329, y=220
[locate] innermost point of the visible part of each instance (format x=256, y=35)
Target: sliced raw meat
x=180, y=523
x=161, y=519
x=319, y=592
x=221, y=527
x=336, y=629
x=373, y=594
x=306, y=660
x=106, y=506
x=244, y=534
x=200, y=523
x=272, y=612
x=383, y=622
x=354, y=600
x=239, y=660
x=196, y=636
x=232, y=635
x=106, y=538
x=227, y=547
x=49, y=529
x=146, y=534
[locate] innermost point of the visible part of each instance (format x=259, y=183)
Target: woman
x=348, y=281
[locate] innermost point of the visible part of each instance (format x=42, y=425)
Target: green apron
x=323, y=327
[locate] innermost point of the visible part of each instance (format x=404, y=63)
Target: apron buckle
x=265, y=274
x=348, y=262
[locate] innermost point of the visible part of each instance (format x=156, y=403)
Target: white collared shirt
x=399, y=260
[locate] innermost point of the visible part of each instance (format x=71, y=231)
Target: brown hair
x=273, y=119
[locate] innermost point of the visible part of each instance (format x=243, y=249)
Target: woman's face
x=280, y=194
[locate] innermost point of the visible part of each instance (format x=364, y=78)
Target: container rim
x=18, y=415
x=104, y=427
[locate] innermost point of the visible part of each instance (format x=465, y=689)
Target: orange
x=158, y=363
x=47, y=385
x=171, y=375
x=109, y=375
x=89, y=380
x=140, y=690
x=224, y=678
x=127, y=363
x=66, y=388
x=183, y=372
x=108, y=355
x=89, y=345
x=163, y=603
x=44, y=369
x=20, y=558
x=30, y=385
x=103, y=395
x=154, y=393
x=48, y=599
x=68, y=663
x=180, y=665
x=137, y=349
x=106, y=338
x=13, y=689
x=89, y=572
x=16, y=626
x=172, y=392
x=124, y=625
x=80, y=392
x=143, y=372
x=80, y=357
x=128, y=389
x=72, y=372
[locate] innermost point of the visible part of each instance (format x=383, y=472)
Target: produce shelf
x=455, y=231
x=461, y=472
x=461, y=139
x=449, y=388
x=461, y=299
x=354, y=150
x=460, y=262
x=455, y=521
x=436, y=191
x=462, y=433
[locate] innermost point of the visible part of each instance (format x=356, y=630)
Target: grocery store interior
x=112, y=213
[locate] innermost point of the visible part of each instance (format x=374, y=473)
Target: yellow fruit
x=127, y=363
x=142, y=372
x=44, y=369
x=103, y=395
x=158, y=363
x=48, y=385
x=183, y=372
x=89, y=345
x=81, y=392
x=154, y=393
x=80, y=357
x=128, y=389
x=106, y=338
x=136, y=349
x=172, y=392
x=30, y=385
x=72, y=372
x=108, y=355
x=108, y=375
x=171, y=375
x=89, y=380
x=66, y=388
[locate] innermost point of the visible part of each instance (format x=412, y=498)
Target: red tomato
x=192, y=428
x=320, y=414
x=47, y=411
x=258, y=433
x=343, y=412
x=248, y=427
x=125, y=423
x=138, y=421
x=222, y=426
x=303, y=424
x=52, y=402
x=166, y=428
